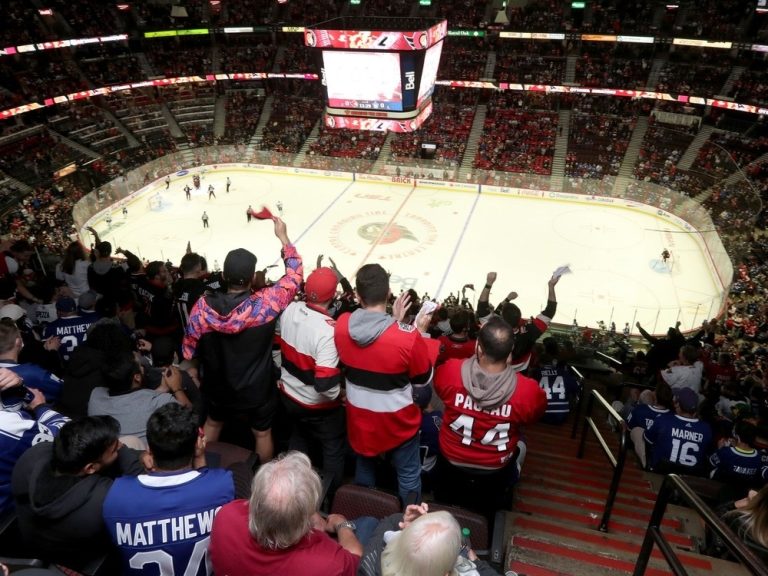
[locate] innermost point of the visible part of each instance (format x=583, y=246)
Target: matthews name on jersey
x=72, y=330
x=165, y=520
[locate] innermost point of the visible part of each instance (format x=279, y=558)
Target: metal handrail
x=580, y=403
x=654, y=535
x=616, y=461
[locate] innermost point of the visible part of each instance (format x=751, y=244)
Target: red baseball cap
x=321, y=285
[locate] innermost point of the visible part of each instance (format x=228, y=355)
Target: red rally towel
x=263, y=214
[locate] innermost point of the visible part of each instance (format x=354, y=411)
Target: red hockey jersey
x=477, y=438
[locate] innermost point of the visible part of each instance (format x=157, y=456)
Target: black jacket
x=60, y=516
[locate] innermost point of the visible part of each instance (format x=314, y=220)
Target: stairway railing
x=674, y=483
x=617, y=462
x=580, y=402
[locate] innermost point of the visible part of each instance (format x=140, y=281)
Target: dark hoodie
x=85, y=372
x=232, y=335
x=60, y=516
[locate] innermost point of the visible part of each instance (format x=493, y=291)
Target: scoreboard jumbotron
x=378, y=73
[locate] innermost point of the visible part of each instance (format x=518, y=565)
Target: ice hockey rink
x=436, y=241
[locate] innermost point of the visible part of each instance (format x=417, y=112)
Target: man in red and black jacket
x=385, y=360
x=231, y=333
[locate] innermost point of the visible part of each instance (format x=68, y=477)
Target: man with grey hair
x=279, y=530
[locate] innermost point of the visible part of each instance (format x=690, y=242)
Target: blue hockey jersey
x=161, y=522
x=679, y=440
x=20, y=430
x=72, y=330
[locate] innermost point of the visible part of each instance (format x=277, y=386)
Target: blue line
x=319, y=216
x=458, y=244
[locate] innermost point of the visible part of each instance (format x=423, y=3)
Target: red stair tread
x=594, y=506
x=583, y=463
x=605, y=472
x=587, y=520
x=624, y=487
x=531, y=570
x=604, y=540
x=645, y=503
x=578, y=555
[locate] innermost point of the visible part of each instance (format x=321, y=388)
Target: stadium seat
x=486, y=544
x=352, y=501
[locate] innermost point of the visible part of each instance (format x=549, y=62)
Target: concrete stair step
x=591, y=540
x=542, y=466
x=600, y=495
x=526, y=569
x=557, y=553
x=569, y=447
x=580, y=516
x=595, y=501
x=601, y=546
x=620, y=512
x=571, y=461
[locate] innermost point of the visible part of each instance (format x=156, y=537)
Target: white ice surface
x=437, y=241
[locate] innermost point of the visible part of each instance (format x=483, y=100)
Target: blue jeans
x=407, y=463
x=366, y=526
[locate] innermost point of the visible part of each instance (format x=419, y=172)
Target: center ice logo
x=385, y=234
x=374, y=233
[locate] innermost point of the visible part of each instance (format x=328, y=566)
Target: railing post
x=580, y=403
x=587, y=416
x=615, y=480
x=656, y=517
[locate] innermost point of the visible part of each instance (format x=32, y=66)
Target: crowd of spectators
x=624, y=107
x=752, y=86
x=532, y=62
x=41, y=75
x=516, y=139
x=613, y=70
x=113, y=70
x=463, y=14
x=347, y=144
x=448, y=127
x=245, y=13
x=612, y=17
x=291, y=121
x=196, y=60
x=294, y=55
x=88, y=18
x=717, y=20
x=597, y=144
x=725, y=152
x=243, y=113
x=538, y=16
x=151, y=16
x=299, y=14
x=248, y=57
x=662, y=148
x=694, y=73
x=463, y=59
x=22, y=24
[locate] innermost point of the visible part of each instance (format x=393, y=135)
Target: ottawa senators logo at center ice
x=385, y=234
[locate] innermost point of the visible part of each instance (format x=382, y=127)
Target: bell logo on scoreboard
x=410, y=80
